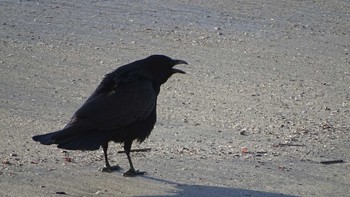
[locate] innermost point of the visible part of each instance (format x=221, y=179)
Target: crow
x=123, y=108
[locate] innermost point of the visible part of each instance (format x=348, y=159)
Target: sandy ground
x=270, y=76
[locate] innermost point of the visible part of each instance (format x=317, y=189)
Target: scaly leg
x=108, y=167
x=131, y=172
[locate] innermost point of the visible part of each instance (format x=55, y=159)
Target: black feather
x=121, y=109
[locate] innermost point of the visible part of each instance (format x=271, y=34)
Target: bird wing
x=117, y=102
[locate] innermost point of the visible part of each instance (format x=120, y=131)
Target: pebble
x=6, y=162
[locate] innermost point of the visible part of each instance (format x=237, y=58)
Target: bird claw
x=132, y=173
x=111, y=168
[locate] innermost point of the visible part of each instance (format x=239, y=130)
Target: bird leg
x=108, y=167
x=131, y=172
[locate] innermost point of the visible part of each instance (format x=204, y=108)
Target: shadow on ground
x=210, y=191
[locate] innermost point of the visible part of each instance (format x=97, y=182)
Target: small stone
x=98, y=192
x=6, y=162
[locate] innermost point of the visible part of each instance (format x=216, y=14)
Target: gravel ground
x=266, y=96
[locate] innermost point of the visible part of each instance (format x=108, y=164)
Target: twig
x=332, y=161
x=137, y=150
x=288, y=144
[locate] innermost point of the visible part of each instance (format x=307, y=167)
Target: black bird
x=121, y=109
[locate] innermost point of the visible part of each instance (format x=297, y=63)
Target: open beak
x=176, y=62
x=177, y=71
x=179, y=62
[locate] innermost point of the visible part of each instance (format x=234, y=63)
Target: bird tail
x=45, y=139
x=73, y=139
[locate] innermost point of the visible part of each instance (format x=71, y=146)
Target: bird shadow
x=210, y=191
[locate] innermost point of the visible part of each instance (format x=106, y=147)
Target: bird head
x=162, y=68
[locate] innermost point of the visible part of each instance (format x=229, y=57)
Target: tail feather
x=74, y=140
x=57, y=137
x=87, y=141
x=45, y=139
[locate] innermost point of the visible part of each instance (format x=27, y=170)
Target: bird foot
x=132, y=173
x=111, y=168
